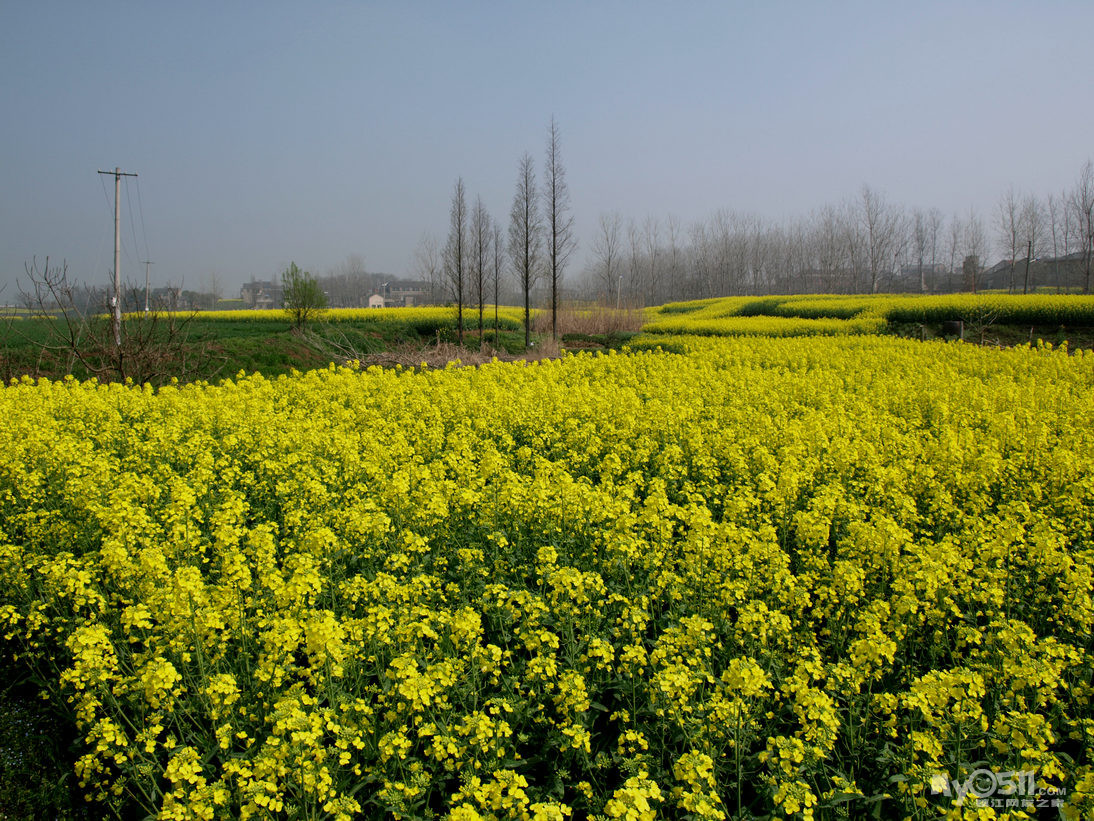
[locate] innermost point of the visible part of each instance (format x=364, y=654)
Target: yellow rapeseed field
x=838, y=314
x=428, y=314
x=783, y=577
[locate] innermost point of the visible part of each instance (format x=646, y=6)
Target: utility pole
x=146, y=264
x=118, y=174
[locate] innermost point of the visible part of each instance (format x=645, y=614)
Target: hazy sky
x=265, y=132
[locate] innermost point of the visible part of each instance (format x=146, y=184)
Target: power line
x=103, y=240
x=132, y=225
x=140, y=207
x=106, y=196
x=111, y=208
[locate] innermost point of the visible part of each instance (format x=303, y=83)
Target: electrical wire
x=106, y=196
x=140, y=208
x=102, y=242
x=125, y=251
x=132, y=225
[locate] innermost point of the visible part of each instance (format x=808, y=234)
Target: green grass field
x=218, y=344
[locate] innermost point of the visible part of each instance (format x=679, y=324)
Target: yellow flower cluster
x=784, y=577
x=1064, y=309
x=765, y=326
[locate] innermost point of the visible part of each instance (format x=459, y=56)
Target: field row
x=833, y=314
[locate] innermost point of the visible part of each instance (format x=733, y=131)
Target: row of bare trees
x=1059, y=226
x=862, y=245
x=538, y=245
x=349, y=285
x=865, y=244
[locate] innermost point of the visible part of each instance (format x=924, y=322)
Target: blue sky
x=269, y=132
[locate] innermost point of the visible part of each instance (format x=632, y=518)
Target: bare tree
x=481, y=235
x=1032, y=220
x=342, y=281
x=921, y=243
x=830, y=249
x=427, y=262
x=954, y=244
x=525, y=237
x=975, y=248
x=854, y=242
x=799, y=253
x=353, y=266
x=79, y=333
x=1055, y=210
x=764, y=242
x=607, y=250
x=934, y=227
x=720, y=237
x=1008, y=222
x=560, y=222
x=455, y=252
x=651, y=235
x=702, y=263
x=1081, y=204
x=672, y=225
x=883, y=225
x=216, y=290
x=634, y=260
x=496, y=246
x=347, y=285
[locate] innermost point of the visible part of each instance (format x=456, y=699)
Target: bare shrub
x=592, y=320
x=442, y=354
x=78, y=333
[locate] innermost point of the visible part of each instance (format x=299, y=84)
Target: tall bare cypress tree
x=496, y=241
x=525, y=237
x=1081, y=203
x=480, y=256
x=455, y=251
x=560, y=222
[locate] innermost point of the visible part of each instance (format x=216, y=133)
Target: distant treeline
x=862, y=245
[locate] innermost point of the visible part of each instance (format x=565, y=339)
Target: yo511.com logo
x=996, y=788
